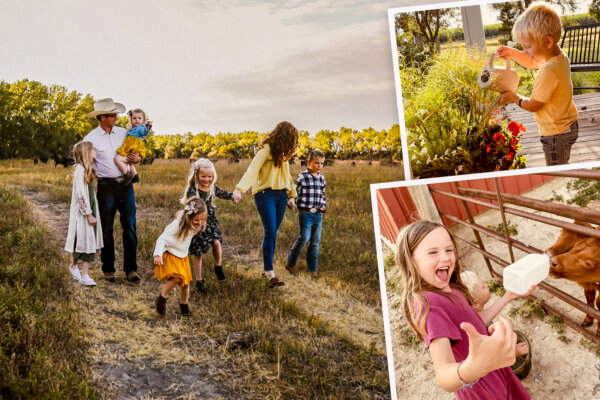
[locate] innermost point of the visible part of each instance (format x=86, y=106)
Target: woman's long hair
x=282, y=141
x=82, y=152
x=192, y=207
x=192, y=180
x=414, y=304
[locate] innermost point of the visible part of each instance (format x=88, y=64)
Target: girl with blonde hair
x=201, y=182
x=82, y=237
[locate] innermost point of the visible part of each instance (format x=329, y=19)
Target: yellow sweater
x=262, y=174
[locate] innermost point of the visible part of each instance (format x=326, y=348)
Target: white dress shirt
x=106, y=145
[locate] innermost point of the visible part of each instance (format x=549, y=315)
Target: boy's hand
x=508, y=97
x=504, y=52
x=91, y=219
x=158, y=260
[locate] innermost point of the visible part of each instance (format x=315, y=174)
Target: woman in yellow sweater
x=272, y=186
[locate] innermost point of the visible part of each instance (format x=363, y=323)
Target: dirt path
x=564, y=366
x=134, y=353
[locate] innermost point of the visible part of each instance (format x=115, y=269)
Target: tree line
x=42, y=121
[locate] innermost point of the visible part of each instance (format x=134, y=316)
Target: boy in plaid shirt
x=310, y=186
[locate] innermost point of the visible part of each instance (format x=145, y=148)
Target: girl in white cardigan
x=171, y=253
x=84, y=236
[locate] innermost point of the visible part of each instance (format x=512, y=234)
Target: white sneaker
x=74, y=270
x=87, y=281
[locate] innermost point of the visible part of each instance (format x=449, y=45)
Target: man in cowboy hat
x=113, y=196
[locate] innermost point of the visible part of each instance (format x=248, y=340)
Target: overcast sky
x=213, y=66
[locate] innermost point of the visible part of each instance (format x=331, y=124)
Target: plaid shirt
x=311, y=190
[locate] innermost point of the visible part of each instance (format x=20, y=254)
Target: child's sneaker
x=200, y=286
x=87, y=281
x=74, y=270
x=219, y=272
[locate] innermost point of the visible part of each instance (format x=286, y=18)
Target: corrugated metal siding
x=397, y=209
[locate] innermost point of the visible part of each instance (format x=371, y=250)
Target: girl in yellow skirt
x=171, y=253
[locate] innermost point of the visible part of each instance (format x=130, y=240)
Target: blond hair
x=537, y=22
x=82, y=153
x=414, y=303
x=193, y=206
x=192, y=180
x=469, y=278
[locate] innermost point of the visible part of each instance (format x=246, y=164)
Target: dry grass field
x=312, y=338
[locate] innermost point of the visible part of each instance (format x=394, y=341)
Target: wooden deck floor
x=587, y=147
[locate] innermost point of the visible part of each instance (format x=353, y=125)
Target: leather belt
x=312, y=210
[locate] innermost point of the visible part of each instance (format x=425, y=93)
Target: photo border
x=400, y=104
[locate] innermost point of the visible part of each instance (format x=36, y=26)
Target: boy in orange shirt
x=538, y=30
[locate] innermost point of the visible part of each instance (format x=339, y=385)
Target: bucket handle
x=492, y=61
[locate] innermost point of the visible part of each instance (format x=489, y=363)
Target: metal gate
x=469, y=196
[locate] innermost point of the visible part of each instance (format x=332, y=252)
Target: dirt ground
x=117, y=318
x=560, y=370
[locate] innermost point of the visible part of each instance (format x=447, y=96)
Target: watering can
x=499, y=79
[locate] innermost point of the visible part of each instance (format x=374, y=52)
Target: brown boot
x=161, y=305
x=292, y=270
x=185, y=310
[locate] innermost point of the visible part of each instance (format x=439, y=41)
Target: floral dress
x=202, y=241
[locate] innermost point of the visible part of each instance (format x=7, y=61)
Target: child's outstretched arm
x=486, y=354
x=526, y=104
x=492, y=311
x=505, y=52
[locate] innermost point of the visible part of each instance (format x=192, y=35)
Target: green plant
x=529, y=308
x=496, y=287
x=450, y=120
x=512, y=229
x=556, y=197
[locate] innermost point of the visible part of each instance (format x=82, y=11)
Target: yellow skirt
x=174, y=267
x=134, y=145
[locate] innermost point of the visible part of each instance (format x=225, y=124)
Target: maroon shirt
x=443, y=321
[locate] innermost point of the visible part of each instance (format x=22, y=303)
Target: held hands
x=91, y=219
x=488, y=353
x=291, y=203
x=158, y=261
x=237, y=196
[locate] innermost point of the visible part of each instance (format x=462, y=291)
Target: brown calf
x=576, y=257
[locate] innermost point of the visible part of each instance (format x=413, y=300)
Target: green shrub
x=449, y=118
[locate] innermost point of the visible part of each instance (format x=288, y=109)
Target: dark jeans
x=271, y=208
x=113, y=197
x=557, y=148
x=310, y=232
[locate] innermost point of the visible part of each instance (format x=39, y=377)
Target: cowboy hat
x=106, y=106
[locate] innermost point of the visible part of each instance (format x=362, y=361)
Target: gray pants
x=557, y=148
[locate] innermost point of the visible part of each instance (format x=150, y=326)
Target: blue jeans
x=113, y=197
x=271, y=208
x=310, y=232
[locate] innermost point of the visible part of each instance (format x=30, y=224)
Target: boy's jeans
x=310, y=231
x=271, y=208
x=557, y=148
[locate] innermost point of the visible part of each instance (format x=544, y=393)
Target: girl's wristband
x=465, y=384
x=520, y=101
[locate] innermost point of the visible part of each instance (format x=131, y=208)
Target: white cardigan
x=87, y=241
x=168, y=242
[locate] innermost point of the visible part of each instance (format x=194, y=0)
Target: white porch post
x=473, y=26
